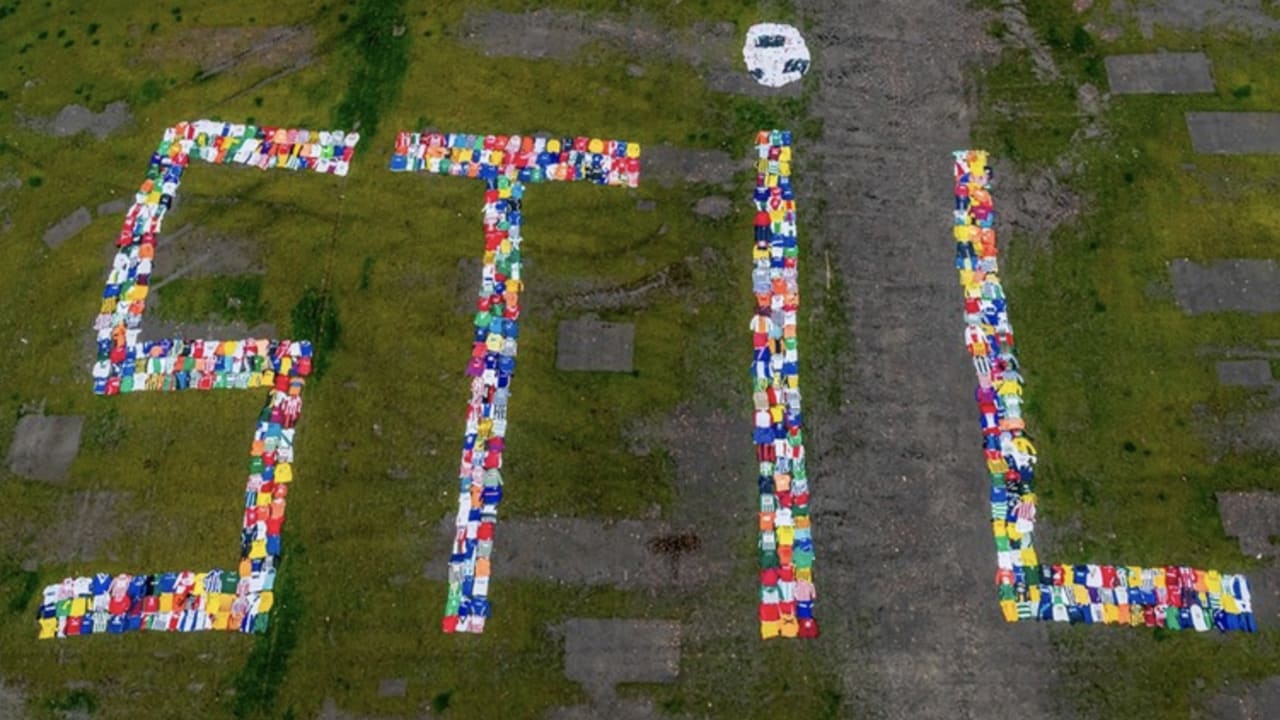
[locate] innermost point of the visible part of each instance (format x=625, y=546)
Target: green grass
x=383, y=250
x=237, y=298
x=1127, y=470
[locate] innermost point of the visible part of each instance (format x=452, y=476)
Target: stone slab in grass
x=1249, y=286
x=113, y=207
x=74, y=119
x=601, y=653
x=1244, y=373
x=714, y=207
x=1234, y=133
x=1253, y=518
x=595, y=345
x=44, y=446
x=1159, y=73
x=392, y=687
x=668, y=166
x=67, y=227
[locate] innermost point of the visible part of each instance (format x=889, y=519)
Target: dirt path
x=905, y=556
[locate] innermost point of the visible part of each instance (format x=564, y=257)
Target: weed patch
x=381, y=48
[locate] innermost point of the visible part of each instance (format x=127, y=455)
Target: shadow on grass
x=381, y=45
x=259, y=682
x=18, y=585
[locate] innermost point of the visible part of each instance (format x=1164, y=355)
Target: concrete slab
x=1264, y=583
x=1234, y=133
x=1159, y=73
x=600, y=654
x=74, y=119
x=590, y=344
x=1249, y=286
x=67, y=227
x=1255, y=428
x=44, y=446
x=113, y=207
x=208, y=328
x=714, y=207
x=626, y=554
x=619, y=710
x=329, y=710
x=392, y=687
x=668, y=165
x=1253, y=518
x=1241, y=16
x=1244, y=373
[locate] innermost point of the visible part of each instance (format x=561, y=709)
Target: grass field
x=1128, y=470
x=360, y=579
x=1127, y=473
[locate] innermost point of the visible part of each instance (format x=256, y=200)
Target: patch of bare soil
x=86, y=522
x=218, y=50
x=194, y=251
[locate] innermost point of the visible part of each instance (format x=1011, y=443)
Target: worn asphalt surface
x=906, y=560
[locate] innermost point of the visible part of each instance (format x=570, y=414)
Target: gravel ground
x=905, y=558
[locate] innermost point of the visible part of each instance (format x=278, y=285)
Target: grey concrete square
x=1159, y=73
x=1249, y=286
x=392, y=687
x=44, y=446
x=590, y=344
x=113, y=207
x=1244, y=373
x=1234, y=133
x=67, y=227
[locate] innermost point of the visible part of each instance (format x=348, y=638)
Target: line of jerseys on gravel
x=505, y=164
x=238, y=599
x=1172, y=597
x=785, y=543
